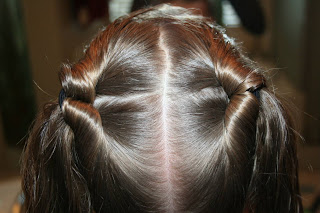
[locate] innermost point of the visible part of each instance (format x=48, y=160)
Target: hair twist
x=79, y=85
x=239, y=79
x=84, y=124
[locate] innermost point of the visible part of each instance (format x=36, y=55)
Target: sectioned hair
x=160, y=116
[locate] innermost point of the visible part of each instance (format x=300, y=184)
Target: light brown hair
x=162, y=114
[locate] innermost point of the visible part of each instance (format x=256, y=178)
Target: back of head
x=162, y=114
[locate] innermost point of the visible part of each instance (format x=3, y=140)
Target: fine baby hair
x=162, y=114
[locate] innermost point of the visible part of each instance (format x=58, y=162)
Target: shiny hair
x=162, y=114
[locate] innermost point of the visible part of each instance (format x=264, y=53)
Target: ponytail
x=49, y=157
x=54, y=172
x=274, y=182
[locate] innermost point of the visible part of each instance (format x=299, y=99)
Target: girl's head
x=162, y=114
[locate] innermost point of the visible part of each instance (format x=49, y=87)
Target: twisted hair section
x=65, y=143
x=160, y=116
x=262, y=124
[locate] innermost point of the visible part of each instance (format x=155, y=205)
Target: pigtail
x=258, y=130
x=257, y=121
x=239, y=82
x=48, y=158
x=56, y=170
x=274, y=182
x=57, y=173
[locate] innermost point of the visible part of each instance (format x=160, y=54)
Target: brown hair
x=162, y=114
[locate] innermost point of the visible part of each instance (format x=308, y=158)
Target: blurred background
x=37, y=36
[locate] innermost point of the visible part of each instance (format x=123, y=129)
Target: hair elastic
x=62, y=96
x=257, y=94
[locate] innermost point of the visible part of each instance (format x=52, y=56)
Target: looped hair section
x=77, y=112
x=79, y=80
x=238, y=79
x=232, y=69
x=84, y=120
x=88, y=150
x=78, y=83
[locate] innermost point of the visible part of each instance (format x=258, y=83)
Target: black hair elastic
x=62, y=96
x=257, y=94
